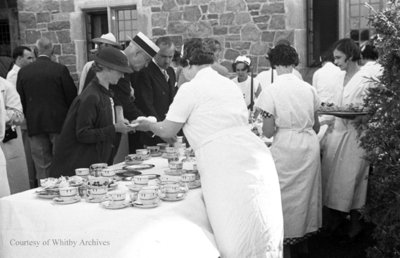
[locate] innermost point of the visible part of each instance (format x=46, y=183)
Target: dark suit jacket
x=47, y=90
x=154, y=95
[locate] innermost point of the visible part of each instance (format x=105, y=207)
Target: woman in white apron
x=289, y=108
x=344, y=169
x=4, y=186
x=238, y=175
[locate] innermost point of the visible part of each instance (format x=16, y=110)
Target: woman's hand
x=122, y=127
x=142, y=125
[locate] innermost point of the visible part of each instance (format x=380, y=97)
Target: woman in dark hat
x=239, y=181
x=90, y=126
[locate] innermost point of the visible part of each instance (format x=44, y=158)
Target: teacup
x=179, y=139
x=153, y=149
x=133, y=196
x=107, y=172
x=142, y=152
x=68, y=193
x=163, y=146
x=96, y=168
x=170, y=150
x=117, y=197
x=175, y=165
x=97, y=193
x=83, y=172
x=148, y=196
x=171, y=188
x=141, y=179
x=168, y=178
x=189, y=177
x=98, y=181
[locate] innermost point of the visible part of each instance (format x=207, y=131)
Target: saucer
x=194, y=184
x=58, y=200
x=180, y=197
x=135, y=187
x=113, y=186
x=95, y=200
x=156, y=154
x=174, y=172
x=138, y=167
x=46, y=194
x=138, y=204
x=112, y=206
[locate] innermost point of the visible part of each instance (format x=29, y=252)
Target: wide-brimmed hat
x=114, y=59
x=145, y=43
x=109, y=39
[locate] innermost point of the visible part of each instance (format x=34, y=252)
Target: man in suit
x=156, y=87
x=47, y=91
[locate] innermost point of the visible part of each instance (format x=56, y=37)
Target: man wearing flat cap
x=90, y=128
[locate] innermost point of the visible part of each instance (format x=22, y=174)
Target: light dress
x=374, y=70
x=4, y=186
x=325, y=81
x=296, y=152
x=344, y=170
x=245, y=87
x=238, y=176
x=266, y=78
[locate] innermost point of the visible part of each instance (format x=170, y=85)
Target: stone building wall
x=244, y=27
x=51, y=19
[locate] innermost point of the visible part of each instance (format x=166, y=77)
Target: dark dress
x=88, y=133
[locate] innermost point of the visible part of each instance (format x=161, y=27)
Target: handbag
x=10, y=134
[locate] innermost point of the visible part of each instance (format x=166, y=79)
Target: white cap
x=243, y=59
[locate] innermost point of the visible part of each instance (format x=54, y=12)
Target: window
x=125, y=23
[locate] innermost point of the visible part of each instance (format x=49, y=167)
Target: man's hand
x=122, y=127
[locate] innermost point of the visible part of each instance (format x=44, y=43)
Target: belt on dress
x=221, y=133
x=308, y=130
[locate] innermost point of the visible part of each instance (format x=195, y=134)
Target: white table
x=34, y=227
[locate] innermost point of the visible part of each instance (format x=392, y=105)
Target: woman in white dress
x=344, y=169
x=4, y=186
x=289, y=108
x=238, y=176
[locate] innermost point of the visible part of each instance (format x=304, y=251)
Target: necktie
x=166, y=75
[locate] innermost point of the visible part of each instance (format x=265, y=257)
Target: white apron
x=241, y=193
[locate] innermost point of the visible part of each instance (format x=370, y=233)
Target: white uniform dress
x=238, y=176
x=325, y=81
x=245, y=87
x=344, y=170
x=4, y=186
x=296, y=152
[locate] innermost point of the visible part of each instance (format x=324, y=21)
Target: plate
x=138, y=167
x=110, y=205
x=343, y=113
x=58, y=200
x=174, y=172
x=132, y=125
x=130, y=173
x=138, y=204
x=95, y=200
x=180, y=197
x=156, y=154
x=46, y=195
x=153, y=176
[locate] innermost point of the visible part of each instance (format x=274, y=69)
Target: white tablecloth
x=33, y=227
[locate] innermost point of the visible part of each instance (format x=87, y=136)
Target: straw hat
x=145, y=43
x=109, y=39
x=114, y=59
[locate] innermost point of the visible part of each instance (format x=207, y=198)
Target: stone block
x=268, y=36
x=67, y=59
x=200, y=2
x=60, y=17
x=59, y=25
x=242, y=18
x=67, y=6
x=155, y=9
x=231, y=54
x=214, y=22
x=253, y=7
x=31, y=36
x=57, y=49
x=261, y=19
x=262, y=26
x=284, y=35
x=226, y=19
x=158, y=32
x=191, y=13
x=176, y=28
x=178, y=41
x=273, y=8
x=30, y=6
x=52, y=5
x=43, y=17
x=169, y=5
x=228, y=65
x=217, y=7
x=64, y=36
x=27, y=20
x=241, y=45
x=257, y=1
x=234, y=29
x=151, y=3
x=175, y=16
x=71, y=68
x=259, y=48
x=199, y=29
x=263, y=62
x=182, y=2
x=236, y=6
x=232, y=38
x=42, y=26
x=277, y=22
x=254, y=13
x=219, y=30
x=51, y=35
x=204, y=8
x=159, y=19
x=212, y=16
x=250, y=32
x=68, y=49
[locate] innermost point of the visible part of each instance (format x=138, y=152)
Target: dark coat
x=154, y=95
x=47, y=90
x=88, y=133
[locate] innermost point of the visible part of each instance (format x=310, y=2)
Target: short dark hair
x=349, y=48
x=283, y=55
x=164, y=41
x=245, y=65
x=19, y=51
x=197, y=51
x=369, y=52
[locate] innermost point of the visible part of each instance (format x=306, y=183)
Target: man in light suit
x=156, y=87
x=47, y=91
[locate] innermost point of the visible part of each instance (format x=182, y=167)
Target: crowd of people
x=261, y=202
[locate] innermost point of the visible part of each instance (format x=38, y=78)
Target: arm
x=164, y=129
x=316, y=125
x=269, y=126
x=68, y=86
x=123, y=96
